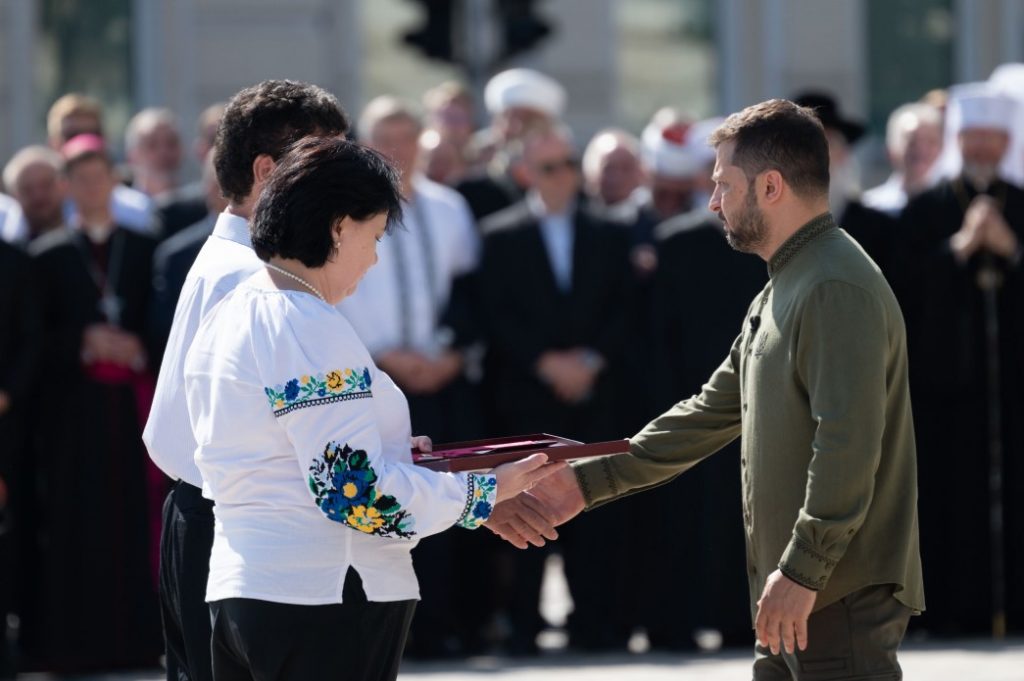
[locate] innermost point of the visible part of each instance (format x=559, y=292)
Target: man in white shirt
x=400, y=312
x=76, y=114
x=258, y=125
x=34, y=176
x=913, y=138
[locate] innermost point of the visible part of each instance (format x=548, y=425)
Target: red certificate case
x=478, y=455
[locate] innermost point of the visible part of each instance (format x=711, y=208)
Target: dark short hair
x=266, y=119
x=318, y=182
x=779, y=135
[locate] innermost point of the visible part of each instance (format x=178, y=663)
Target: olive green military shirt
x=816, y=384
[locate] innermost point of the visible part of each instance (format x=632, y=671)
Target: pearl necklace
x=297, y=278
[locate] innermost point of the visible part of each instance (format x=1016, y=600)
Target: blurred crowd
x=539, y=285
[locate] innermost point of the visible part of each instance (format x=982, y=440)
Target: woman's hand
x=422, y=442
x=519, y=476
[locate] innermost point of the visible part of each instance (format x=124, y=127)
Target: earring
x=337, y=243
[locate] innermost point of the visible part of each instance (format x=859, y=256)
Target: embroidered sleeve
x=310, y=390
x=331, y=420
x=481, y=495
x=344, y=486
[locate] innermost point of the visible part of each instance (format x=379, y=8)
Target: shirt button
x=743, y=461
x=744, y=406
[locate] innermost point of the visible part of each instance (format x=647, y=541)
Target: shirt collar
x=794, y=244
x=539, y=211
x=233, y=228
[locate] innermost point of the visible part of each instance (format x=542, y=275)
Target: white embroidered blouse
x=304, y=446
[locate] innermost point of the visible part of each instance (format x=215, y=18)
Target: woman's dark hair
x=267, y=118
x=319, y=181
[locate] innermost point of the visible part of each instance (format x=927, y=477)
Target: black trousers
x=185, y=544
x=357, y=640
x=854, y=638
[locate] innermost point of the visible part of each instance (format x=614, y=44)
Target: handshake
x=550, y=495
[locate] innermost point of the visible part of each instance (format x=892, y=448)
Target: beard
x=981, y=175
x=747, y=231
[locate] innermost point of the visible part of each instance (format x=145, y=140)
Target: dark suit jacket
x=487, y=195
x=19, y=338
x=525, y=314
x=180, y=208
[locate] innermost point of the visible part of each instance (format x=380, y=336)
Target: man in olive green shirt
x=816, y=384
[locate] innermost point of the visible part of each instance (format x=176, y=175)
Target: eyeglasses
x=552, y=167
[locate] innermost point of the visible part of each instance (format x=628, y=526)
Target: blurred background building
x=620, y=60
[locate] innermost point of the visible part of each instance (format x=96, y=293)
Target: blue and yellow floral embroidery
x=481, y=494
x=310, y=390
x=345, y=487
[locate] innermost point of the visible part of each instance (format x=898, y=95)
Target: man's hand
x=568, y=374
x=422, y=442
x=561, y=494
x=5, y=402
x=782, y=614
x=971, y=235
x=554, y=500
x=999, y=237
x=523, y=520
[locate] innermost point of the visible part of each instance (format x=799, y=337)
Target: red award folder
x=478, y=455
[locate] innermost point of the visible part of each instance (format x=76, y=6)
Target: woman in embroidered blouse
x=304, y=444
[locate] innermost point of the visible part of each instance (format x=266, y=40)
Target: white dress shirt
x=10, y=219
x=558, y=233
x=399, y=301
x=304, y=447
x=225, y=260
x=888, y=197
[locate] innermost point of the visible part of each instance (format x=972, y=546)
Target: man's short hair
x=144, y=122
x=446, y=93
x=72, y=104
x=905, y=119
x=267, y=118
x=779, y=135
x=318, y=182
x=386, y=109
x=604, y=141
x=28, y=157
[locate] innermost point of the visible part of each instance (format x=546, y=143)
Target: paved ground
x=963, y=661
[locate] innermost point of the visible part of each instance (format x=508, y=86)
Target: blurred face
x=159, y=150
x=924, y=144
x=619, y=175
x=552, y=170
x=672, y=195
x=356, y=253
x=515, y=122
x=455, y=121
x=398, y=139
x=78, y=124
x=838, y=149
x=983, y=148
x=440, y=159
x=40, y=191
x=90, y=184
x=735, y=203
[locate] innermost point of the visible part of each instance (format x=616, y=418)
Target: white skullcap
x=527, y=89
x=981, y=105
x=984, y=106
x=680, y=149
